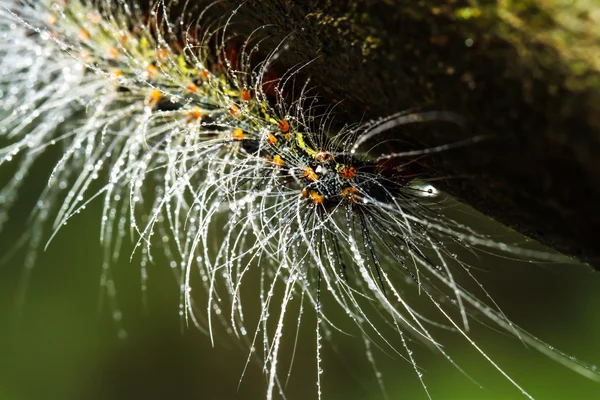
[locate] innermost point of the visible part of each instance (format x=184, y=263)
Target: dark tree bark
x=525, y=73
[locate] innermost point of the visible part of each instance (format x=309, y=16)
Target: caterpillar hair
x=179, y=122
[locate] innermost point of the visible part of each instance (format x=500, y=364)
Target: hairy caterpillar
x=183, y=135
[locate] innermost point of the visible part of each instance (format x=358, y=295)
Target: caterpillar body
x=198, y=150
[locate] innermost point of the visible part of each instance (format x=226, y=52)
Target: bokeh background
x=59, y=343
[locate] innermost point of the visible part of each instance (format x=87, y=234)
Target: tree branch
x=526, y=74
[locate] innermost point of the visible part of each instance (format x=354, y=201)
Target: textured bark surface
x=526, y=73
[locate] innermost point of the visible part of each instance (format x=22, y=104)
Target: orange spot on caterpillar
x=246, y=95
x=278, y=161
x=313, y=195
x=84, y=34
x=162, y=54
x=284, y=126
x=348, y=172
x=192, y=87
x=194, y=115
x=51, y=19
x=204, y=74
x=322, y=155
x=85, y=56
x=238, y=134
x=115, y=74
x=235, y=111
x=316, y=197
x=271, y=139
x=94, y=17
x=310, y=174
x=153, y=98
x=113, y=52
x=156, y=95
x=151, y=71
x=350, y=193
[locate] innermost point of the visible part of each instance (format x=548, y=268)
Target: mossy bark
x=524, y=73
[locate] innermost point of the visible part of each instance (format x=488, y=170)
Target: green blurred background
x=60, y=345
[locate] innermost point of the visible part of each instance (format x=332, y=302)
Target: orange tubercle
x=278, y=161
x=310, y=174
x=51, y=19
x=350, y=193
x=322, y=155
x=161, y=54
x=194, y=115
x=113, y=52
x=153, y=98
x=94, y=17
x=151, y=70
x=204, y=74
x=316, y=197
x=271, y=139
x=349, y=172
x=192, y=87
x=238, y=134
x=235, y=111
x=115, y=74
x=284, y=126
x=84, y=34
x=85, y=56
x=246, y=95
